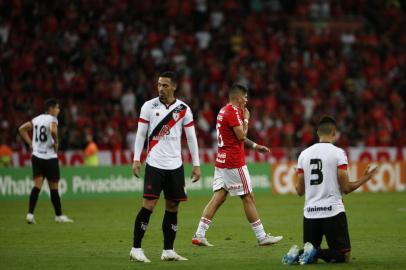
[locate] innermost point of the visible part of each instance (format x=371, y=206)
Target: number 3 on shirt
x=219, y=138
x=316, y=171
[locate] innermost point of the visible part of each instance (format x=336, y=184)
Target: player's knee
x=347, y=256
x=247, y=197
x=172, y=206
x=149, y=204
x=38, y=181
x=53, y=185
x=219, y=199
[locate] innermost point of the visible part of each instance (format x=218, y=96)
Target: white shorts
x=236, y=181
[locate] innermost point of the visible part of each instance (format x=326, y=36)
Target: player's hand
x=262, y=148
x=370, y=171
x=246, y=113
x=195, y=174
x=137, y=168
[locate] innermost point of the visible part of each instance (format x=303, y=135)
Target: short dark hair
x=50, y=103
x=171, y=75
x=237, y=88
x=326, y=125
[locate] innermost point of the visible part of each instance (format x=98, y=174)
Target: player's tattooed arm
x=255, y=146
x=249, y=143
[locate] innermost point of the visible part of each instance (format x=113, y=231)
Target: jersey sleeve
x=233, y=118
x=342, y=160
x=188, y=119
x=144, y=114
x=142, y=131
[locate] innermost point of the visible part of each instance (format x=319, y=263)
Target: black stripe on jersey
x=165, y=121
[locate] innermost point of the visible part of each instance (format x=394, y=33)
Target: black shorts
x=48, y=168
x=172, y=182
x=335, y=229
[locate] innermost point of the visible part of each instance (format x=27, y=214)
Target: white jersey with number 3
x=42, y=141
x=319, y=164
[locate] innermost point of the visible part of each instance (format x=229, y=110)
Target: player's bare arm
x=348, y=186
x=242, y=130
x=246, y=120
x=257, y=147
x=299, y=184
x=239, y=133
x=136, y=168
x=54, y=134
x=23, y=131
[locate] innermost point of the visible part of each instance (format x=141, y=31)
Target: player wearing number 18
x=322, y=177
x=44, y=146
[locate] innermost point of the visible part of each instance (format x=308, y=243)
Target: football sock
x=140, y=226
x=56, y=202
x=33, y=199
x=258, y=229
x=204, y=225
x=169, y=228
x=331, y=255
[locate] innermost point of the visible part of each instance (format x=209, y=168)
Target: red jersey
x=230, y=153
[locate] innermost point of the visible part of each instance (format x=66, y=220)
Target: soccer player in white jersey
x=231, y=175
x=44, y=146
x=322, y=177
x=162, y=121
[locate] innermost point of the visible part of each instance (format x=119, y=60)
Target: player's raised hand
x=370, y=171
x=195, y=174
x=136, y=168
x=246, y=113
x=262, y=148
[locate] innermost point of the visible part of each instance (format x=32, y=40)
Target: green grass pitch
x=101, y=236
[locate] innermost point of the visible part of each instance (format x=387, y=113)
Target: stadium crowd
x=300, y=59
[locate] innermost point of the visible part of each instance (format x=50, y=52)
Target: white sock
x=258, y=229
x=204, y=225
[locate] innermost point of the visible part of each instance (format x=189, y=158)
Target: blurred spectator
x=6, y=154
x=300, y=59
x=91, y=152
x=128, y=102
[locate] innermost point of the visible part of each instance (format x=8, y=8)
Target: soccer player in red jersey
x=231, y=174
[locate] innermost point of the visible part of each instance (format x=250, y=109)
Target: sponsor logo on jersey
x=155, y=105
x=165, y=130
x=162, y=129
x=221, y=157
x=318, y=209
